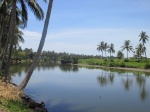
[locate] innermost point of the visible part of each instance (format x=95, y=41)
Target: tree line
x=139, y=50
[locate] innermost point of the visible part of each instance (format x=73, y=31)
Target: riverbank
x=125, y=64
x=10, y=100
x=14, y=100
x=119, y=68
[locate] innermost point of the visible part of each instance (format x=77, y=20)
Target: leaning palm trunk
x=2, y=29
x=35, y=60
x=11, y=36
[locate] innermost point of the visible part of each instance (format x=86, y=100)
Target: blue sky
x=77, y=26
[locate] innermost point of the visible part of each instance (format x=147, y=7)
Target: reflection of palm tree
x=143, y=93
x=141, y=80
x=111, y=77
x=127, y=83
x=104, y=80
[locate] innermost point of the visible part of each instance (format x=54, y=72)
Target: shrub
x=112, y=60
x=111, y=64
x=147, y=66
x=126, y=60
x=122, y=65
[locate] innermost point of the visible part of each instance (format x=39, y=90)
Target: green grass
x=131, y=63
x=14, y=106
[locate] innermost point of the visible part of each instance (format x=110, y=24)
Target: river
x=68, y=88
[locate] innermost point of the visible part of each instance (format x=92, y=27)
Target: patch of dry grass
x=8, y=92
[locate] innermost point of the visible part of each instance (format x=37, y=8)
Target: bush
x=111, y=64
x=147, y=66
x=122, y=65
x=126, y=60
x=138, y=60
x=112, y=60
x=75, y=60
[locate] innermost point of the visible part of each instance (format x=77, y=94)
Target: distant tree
x=105, y=47
x=127, y=46
x=144, y=37
x=140, y=49
x=111, y=49
x=101, y=47
x=120, y=54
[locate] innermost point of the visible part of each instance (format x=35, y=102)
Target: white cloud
x=83, y=41
x=31, y=35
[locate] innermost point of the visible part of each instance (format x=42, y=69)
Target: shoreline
x=11, y=97
x=119, y=68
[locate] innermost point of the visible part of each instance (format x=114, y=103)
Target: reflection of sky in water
x=88, y=90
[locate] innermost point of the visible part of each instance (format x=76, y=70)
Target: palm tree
x=105, y=47
x=11, y=32
x=34, y=63
x=101, y=47
x=127, y=46
x=111, y=49
x=140, y=49
x=144, y=37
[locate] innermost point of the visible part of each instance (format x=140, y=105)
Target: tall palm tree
x=111, y=49
x=127, y=46
x=33, y=5
x=140, y=50
x=144, y=37
x=101, y=47
x=34, y=63
x=105, y=47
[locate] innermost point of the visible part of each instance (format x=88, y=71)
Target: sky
x=78, y=26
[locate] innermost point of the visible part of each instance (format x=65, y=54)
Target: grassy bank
x=10, y=100
x=129, y=63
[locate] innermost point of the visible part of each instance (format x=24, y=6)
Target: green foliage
x=120, y=55
x=14, y=106
x=130, y=63
x=75, y=60
x=122, y=64
x=126, y=60
x=147, y=66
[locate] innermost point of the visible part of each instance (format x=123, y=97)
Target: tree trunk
x=2, y=29
x=4, y=56
x=127, y=54
x=35, y=60
x=11, y=35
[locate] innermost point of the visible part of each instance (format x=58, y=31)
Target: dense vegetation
x=130, y=63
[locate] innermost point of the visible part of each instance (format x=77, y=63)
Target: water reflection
x=68, y=68
x=80, y=91
x=105, y=78
x=127, y=82
x=141, y=81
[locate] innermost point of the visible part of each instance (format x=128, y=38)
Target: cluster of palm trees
x=106, y=48
x=13, y=17
x=138, y=51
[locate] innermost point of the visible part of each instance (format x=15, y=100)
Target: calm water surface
x=66, y=88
